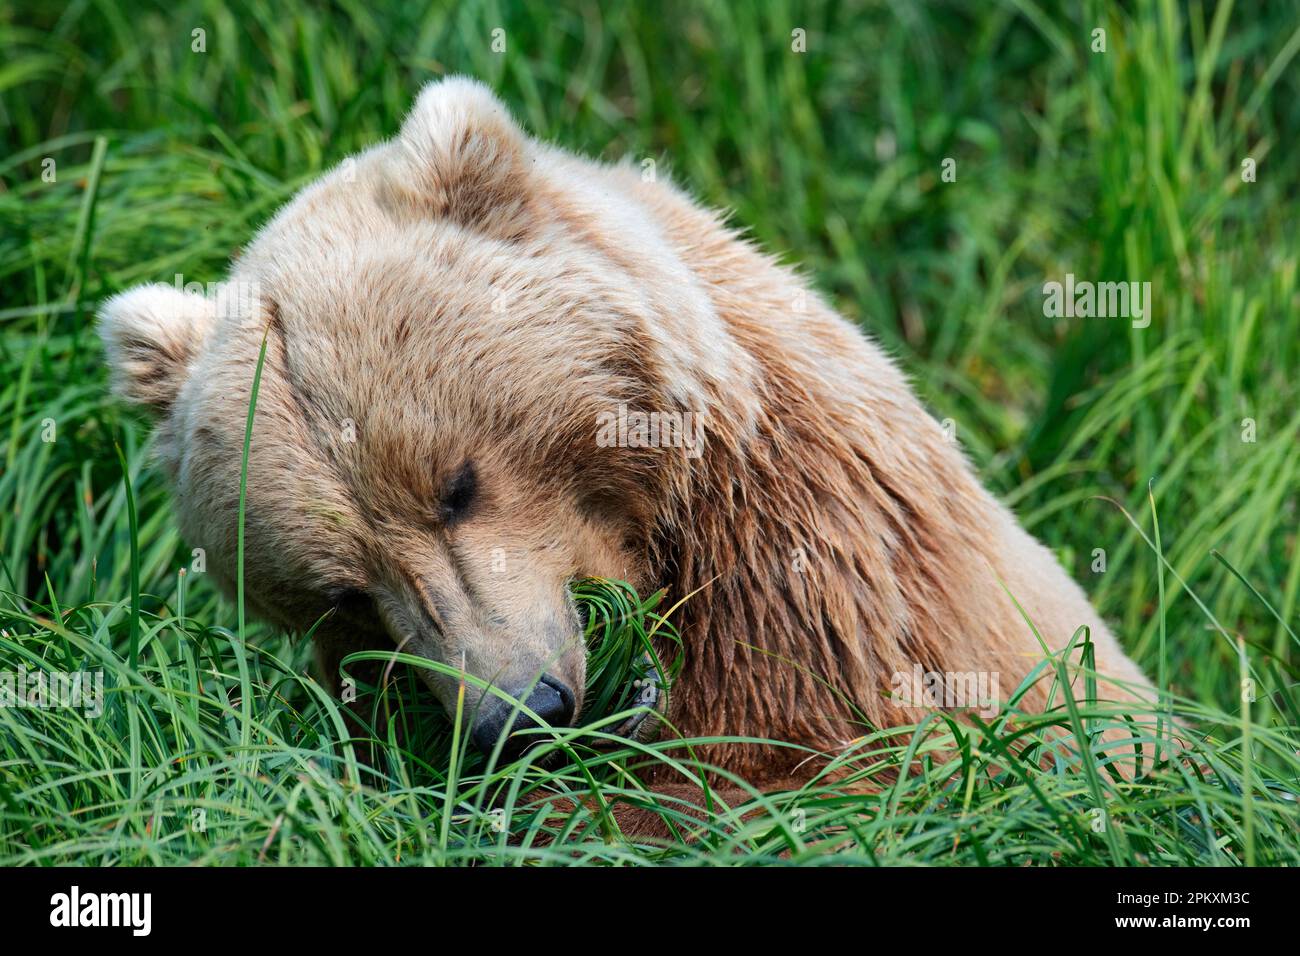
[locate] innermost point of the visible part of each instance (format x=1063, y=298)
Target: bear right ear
x=461, y=156
x=150, y=334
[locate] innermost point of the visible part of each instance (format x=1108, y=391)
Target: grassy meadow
x=1161, y=463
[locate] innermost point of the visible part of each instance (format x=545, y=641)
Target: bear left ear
x=462, y=157
x=150, y=334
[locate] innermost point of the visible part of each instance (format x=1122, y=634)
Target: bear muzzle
x=550, y=699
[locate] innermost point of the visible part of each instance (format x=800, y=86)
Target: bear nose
x=550, y=700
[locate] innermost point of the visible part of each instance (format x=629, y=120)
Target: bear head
x=445, y=317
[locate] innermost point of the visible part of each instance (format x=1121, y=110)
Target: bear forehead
x=365, y=295
x=419, y=311
x=398, y=351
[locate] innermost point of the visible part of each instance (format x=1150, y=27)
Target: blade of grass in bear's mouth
x=622, y=658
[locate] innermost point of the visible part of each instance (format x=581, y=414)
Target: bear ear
x=461, y=156
x=150, y=334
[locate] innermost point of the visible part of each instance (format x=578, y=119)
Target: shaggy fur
x=465, y=296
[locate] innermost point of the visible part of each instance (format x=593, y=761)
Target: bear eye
x=459, y=493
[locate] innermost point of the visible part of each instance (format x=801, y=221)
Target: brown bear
x=493, y=368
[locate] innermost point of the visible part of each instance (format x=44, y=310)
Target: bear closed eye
x=459, y=493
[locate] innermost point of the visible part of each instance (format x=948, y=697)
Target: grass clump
x=217, y=751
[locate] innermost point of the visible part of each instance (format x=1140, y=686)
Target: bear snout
x=550, y=699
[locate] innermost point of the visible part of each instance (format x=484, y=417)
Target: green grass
x=1123, y=165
